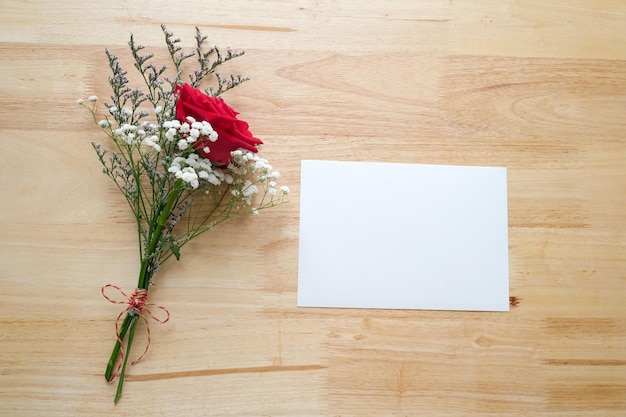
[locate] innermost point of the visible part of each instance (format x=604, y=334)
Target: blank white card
x=403, y=236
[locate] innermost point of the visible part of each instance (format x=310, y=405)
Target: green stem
x=144, y=276
x=131, y=335
x=145, y=273
x=108, y=374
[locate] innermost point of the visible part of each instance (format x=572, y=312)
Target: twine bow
x=136, y=304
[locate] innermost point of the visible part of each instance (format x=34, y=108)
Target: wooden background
x=538, y=87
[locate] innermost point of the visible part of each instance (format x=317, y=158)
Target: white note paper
x=403, y=236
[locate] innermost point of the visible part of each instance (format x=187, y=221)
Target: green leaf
x=175, y=249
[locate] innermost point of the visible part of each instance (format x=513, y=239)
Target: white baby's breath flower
x=284, y=189
x=206, y=128
x=192, y=160
x=170, y=134
x=255, y=211
x=248, y=188
x=188, y=175
x=194, y=134
x=158, y=109
x=204, y=164
x=104, y=123
x=182, y=144
x=80, y=101
x=127, y=112
x=206, y=149
x=150, y=141
x=92, y=98
x=213, y=179
x=218, y=172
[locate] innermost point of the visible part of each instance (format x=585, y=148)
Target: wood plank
x=538, y=87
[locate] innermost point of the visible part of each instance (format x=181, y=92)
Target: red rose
x=232, y=133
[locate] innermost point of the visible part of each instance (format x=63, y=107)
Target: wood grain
x=537, y=87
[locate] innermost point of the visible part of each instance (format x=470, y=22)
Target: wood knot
x=514, y=301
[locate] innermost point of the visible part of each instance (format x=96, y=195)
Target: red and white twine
x=136, y=304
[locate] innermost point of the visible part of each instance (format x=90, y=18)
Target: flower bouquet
x=183, y=161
